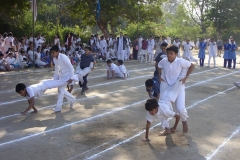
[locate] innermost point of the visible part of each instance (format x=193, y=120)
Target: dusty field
x=108, y=122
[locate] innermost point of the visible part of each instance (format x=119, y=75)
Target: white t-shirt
x=150, y=117
x=114, y=68
x=172, y=71
x=35, y=90
x=56, y=40
x=123, y=69
x=10, y=60
x=30, y=53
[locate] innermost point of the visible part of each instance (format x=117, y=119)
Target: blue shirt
x=158, y=59
x=86, y=60
x=155, y=88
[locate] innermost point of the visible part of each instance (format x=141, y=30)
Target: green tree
x=114, y=11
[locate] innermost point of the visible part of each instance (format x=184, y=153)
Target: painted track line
x=17, y=114
x=91, y=77
x=67, y=125
x=140, y=133
x=223, y=144
x=80, y=99
x=101, y=84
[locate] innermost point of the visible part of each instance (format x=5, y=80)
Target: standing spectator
x=143, y=52
x=135, y=49
x=57, y=40
x=219, y=47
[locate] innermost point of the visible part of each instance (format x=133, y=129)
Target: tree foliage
x=114, y=11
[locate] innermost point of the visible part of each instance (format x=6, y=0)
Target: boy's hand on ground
x=145, y=140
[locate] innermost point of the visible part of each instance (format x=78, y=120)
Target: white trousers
x=121, y=55
x=116, y=75
x=80, y=73
x=150, y=57
x=166, y=111
x=143, y=52
x=175, y=93
x=61, y=84
x=214, y=60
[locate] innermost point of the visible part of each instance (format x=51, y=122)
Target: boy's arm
x=112, y=74
x=190, y=69
x=108, y=74
x=159, y=74
x=158, y=95
x=31, y=103
x=147, y=131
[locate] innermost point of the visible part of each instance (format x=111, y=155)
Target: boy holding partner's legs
x=170, y=71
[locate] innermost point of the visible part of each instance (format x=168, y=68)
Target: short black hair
x=89, y=48
x=120, y=61
x=151, y=104
x=164, y=44
x=19, y=87
x=173, y=48
x=54, y=48
x=109, y=61
x=1, y=55
x=149, y=83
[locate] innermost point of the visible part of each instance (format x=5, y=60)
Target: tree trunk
x=103, y=27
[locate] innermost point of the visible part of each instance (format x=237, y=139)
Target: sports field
x=108, y=122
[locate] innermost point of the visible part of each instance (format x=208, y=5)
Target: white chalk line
x=81, y=121
x=138, y=77
x=140, y=133
x=1, y=118
x=36, y=134
x=223, y=144
x=101, y=84
x=80, y=99
x=70, y=124
x=93, y=148
x=93, y=77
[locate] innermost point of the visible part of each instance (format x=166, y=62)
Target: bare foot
x=172, y=130
x=164, y=133
x=185, y=126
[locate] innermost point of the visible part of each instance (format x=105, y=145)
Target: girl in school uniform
x=212, y=52
x=232, y=55
x=201, y=54
x=226, y=53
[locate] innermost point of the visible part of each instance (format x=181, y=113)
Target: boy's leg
x=209, y=61
x=48, y=84
x=229, y=63
x=146, y=56
x=174, y=90
x=214, y=61
x=84, y=85
x=180, y=105
x=61, y=93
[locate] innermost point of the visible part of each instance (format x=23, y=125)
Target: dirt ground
x=108, y=122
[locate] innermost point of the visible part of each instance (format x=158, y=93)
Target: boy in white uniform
x=155, y=109
x=150, y=49
x=37, y=90
x=187, y=54
x=122, y=69
x=212, y=51
x=113, y=70
x=169, y=70
x=64, y=71
x=177, y=44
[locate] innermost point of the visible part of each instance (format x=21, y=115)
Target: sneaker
x=236, y=84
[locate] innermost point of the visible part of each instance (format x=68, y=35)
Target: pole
x=138, y=16
x=33, y=11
